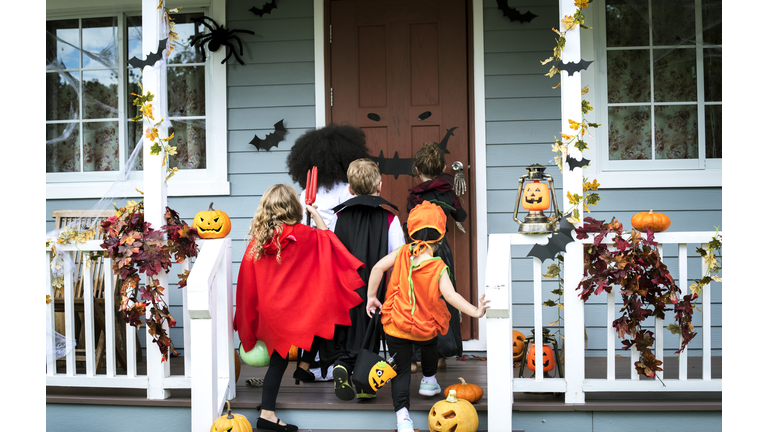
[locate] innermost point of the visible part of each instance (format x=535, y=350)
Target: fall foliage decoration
x=453, y=415
x=465, y=390
x=212, y=223
x=231, y=422
x=518, y=343
x=656, y=222
x=634, y=265
x=135, y=247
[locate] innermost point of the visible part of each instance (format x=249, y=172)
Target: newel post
x=573, y=268
x=155, y=194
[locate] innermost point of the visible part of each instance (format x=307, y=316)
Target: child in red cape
x=296, y=283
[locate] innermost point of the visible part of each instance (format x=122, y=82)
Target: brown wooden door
x=392, y=62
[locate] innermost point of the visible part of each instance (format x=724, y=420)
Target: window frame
x=211, y=180
x=701, y=172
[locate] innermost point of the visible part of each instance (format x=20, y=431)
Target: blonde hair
x=364, y=177
x=430, y=160
x=279, y=205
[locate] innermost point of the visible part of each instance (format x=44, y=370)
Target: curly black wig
x=330, y=149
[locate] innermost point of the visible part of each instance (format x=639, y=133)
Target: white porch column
x=570, y=108
x=155, y=195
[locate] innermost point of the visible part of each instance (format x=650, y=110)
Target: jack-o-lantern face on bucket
x=212, y=223
x=380, y=374
x=547, y=357
x=518, y=343
x=536, y=196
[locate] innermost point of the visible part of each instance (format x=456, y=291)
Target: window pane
x=626, y=23
x=61, y=98
x=100, y=94
x=100, y=42
x=186, y=91
x=676, y=132
x=712, y=20
x=189, y=139
x=62, y=147
x=629, y=76
x=674, y=75
x=714, y=130
x=187, y=29
x=133, y=23
x=629, y=134
x=101, y=146
x=674, y=22
x=134, y=135
x=713, y=74
x=62, y=47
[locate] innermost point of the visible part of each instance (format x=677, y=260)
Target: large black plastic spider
x=216, y=38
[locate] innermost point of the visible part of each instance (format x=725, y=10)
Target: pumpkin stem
x=452, y=396
x=210, y=207
x=229, y=410
x=463, y=382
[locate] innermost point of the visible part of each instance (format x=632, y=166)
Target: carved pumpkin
x=548, y=357
x=212, y=223
x=465, y=390
x=518, y=343
x=258, y=356
x=656, y=222
x=231, y=423
x=453, y=415
x=536, y=196
x=380, y=374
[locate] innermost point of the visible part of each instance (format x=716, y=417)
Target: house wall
x=522, y=116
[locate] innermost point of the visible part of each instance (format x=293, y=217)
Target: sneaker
x=364, y=396
x=429, y=389
x=405, y=426
x=341, y=386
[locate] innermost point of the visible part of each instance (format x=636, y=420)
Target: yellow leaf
x=581, y=4
x=561, y=306
x=169, y=138
x=546, y=61
x=716, y=278
x=585, y=90
x=48, y=299
x=568, y=22
x=567, y=137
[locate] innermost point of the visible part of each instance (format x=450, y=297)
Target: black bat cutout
x=444, y=143
x=555, y=244
x=374, y=116
x=265, y=10
x=152, y=58
x=425, y=115
x=271, y=139
x=514, y=14
x=393, y=166
x=572, y=67
x=216, y=38
x=573, y=163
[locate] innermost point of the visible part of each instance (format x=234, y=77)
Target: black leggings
x=272, y=378
x=402, y=351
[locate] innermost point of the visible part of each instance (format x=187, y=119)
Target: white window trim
x=209, y=181
x=709, y=175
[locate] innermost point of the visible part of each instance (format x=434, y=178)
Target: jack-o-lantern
x=547, y=356
x=536, y=196
x=518, y=343
x=212, y=223
x=380, y=374
x=453, y=414
x=231, y=422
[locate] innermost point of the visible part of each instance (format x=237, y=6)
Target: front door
x=399, y=71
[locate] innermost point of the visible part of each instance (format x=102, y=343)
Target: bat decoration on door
x=374, y=116
x=393, y=166
x=152, y=58
x=444, y=143
x=572, y=67
x=573, y=163
x=271, y=139
x=556, y=243
x=514, y=14
x=216, y=38
x=265, y=10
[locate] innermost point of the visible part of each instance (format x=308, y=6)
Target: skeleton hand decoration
x=459, y=184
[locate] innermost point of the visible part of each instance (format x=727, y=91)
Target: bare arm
x=377, y=272
x=316, y=217
x=456, y=300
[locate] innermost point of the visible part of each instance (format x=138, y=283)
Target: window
x=660, y=91
x=89, y=134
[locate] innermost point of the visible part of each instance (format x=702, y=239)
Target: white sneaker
x=405, y=426
x=429, y=389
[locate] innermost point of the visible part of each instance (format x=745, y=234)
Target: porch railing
x=207, y=322
x=499, y=327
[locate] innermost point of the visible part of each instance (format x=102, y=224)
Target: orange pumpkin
x=465, y=390
x=518, y=343
x=453, y=415
x=656, y=222
x=230, y=422
x=547, y=356
x=293, y=353
x=536, y=196
x=212, y=223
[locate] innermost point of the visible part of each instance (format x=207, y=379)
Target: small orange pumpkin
x=547, y=356
x=518, y=343
x=293, y=353
x=212, y=223
x=465, y=390
x=536, y=196
x=656, y=222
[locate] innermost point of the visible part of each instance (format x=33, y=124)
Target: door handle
x=459, y=182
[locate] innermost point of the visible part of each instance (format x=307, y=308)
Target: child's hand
x=319, y=222
x=373, y=304
x=482, y=306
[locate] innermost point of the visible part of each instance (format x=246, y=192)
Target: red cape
x=307, y=294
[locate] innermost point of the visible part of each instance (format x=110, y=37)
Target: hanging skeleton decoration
x=217, y=37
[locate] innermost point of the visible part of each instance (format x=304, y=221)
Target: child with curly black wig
x=330, y=149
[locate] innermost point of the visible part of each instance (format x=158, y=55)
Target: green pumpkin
x=256, y=357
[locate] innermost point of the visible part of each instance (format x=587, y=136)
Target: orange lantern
x=518, y=343
x=536, y=199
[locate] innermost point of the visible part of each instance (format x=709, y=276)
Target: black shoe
x=264, y=424
x=341, y=386
x=302, y=375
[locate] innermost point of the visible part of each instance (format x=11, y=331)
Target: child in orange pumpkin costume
x=413, y=313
